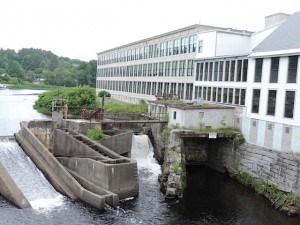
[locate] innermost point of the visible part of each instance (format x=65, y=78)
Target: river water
x=210, y=198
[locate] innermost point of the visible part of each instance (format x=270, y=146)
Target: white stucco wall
x=211, y=117
x=209, y=44
x=231, y=44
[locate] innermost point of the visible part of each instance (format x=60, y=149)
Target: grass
x=118, y=106
x=281, y=200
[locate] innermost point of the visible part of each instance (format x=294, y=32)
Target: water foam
x=32, y=183
x=142, y=151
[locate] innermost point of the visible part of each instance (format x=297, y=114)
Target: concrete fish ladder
x=10, y=190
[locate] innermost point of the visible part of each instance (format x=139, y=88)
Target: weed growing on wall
x=284, y=201
x=175, y=166
x=95, y=134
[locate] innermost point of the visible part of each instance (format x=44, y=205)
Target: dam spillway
x=27, y=177
x=77, y=166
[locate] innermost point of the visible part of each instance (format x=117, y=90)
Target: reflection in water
x=211, y=198
x=16, y=106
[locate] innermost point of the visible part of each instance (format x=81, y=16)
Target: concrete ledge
x=110, y=198
x=10, y=190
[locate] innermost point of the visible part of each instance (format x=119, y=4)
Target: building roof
x=198, y=28
x=285, y=37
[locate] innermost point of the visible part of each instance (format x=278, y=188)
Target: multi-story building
x=257, y=73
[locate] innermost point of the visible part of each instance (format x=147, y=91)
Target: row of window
x=274, y=69
x=220, y=70
x=170, y=68
x=271, y=103
x=181, y=90
x=172, y=47
x=235, y=96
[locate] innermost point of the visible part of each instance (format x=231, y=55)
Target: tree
x=15, y=69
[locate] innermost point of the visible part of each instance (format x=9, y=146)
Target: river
x=211, y=198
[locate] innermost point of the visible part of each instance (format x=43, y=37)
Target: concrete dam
x=75, y=165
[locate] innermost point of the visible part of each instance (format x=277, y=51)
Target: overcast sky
x=78, y=29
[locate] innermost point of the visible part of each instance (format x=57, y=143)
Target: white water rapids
x=35, y=187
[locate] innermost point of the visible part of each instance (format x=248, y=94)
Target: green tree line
x=32, y=65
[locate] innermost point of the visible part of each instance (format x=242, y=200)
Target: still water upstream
x=210, y=198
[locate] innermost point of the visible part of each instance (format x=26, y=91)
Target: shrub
x=76, y=97
x=95, y=134
x=104, y=93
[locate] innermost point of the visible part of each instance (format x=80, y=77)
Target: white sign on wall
x=212, y=135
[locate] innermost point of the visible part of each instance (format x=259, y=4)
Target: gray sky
x=81, y=28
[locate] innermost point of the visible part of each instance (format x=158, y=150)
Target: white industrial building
x=257, y=73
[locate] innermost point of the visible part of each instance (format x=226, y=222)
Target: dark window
x=274, y=70
x=210, y=71
x=271, y=102
x=226, y=70
x=292, y=70
x=174, y=115
x=219, y=97
x=243, y=96
x=198, y=71
x=239, y=70
x=245, y=69
x=216, y=71
x=225, y=91
x=258, y=70
x=289, y=104
x=221, y=71
x=255, y=101
x=232, y=69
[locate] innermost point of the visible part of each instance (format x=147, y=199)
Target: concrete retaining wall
x=10, y=190
x=279, y=168
x=43, y=130
x=29, y=142
x=121, y=144
x=121, y=179
x=79, y=126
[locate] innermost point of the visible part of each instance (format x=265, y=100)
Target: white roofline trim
x=275, y=53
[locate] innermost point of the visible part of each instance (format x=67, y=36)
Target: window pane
x=271, y=102
x=255, y=101
x=274, y=70
x=292, y=70
x=289, y=104
x=258, y=70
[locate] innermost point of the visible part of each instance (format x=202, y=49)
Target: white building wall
x=191, y=118
x=261, y=133
x=231, y=44
x=209, y=44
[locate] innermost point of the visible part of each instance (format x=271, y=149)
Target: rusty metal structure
x=96, y=114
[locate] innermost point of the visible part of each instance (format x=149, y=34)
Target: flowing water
x=210, y=198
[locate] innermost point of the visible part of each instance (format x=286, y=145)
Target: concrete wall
x=66, y=145
x=80, y=126
x=69, y=143
x=43, y=130
x=120, y=144
x=121, y=179
x=10, y=190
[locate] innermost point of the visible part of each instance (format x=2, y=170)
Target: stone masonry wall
x=279, y=168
